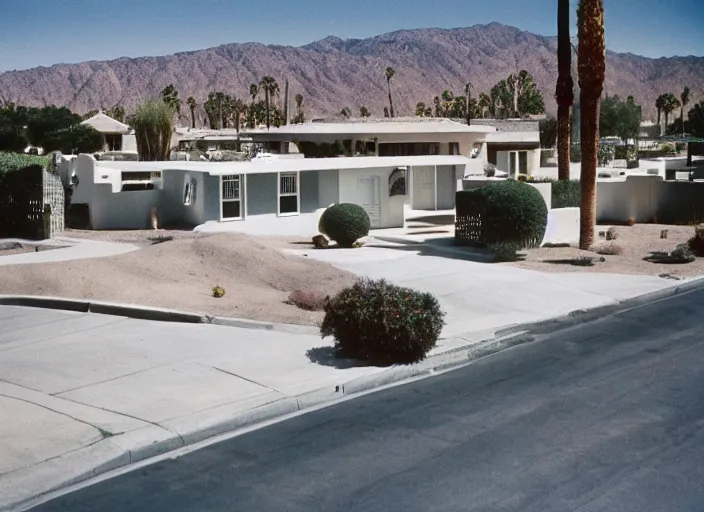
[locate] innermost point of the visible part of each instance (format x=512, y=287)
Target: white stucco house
x=117, y=136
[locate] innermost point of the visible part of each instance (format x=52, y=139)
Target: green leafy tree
x=390, y=73
x=548, y=132
x=170, y=96
x=695, y=124
x=153, y=125
x=41, y=122
x=117, y=113
x=73, y=140
x=211, y=110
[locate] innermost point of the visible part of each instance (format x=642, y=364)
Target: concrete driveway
x=483, y=296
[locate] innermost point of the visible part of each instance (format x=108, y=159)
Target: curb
x=135, y=447
x=148, y=313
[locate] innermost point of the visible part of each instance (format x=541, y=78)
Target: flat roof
x=372, y=128
x=513, y=137
x=287, y=165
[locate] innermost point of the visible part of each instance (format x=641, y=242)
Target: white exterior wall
x=304, y=225
x=391, y=208
x=129, y=143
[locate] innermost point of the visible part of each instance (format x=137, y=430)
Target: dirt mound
x=181, y=273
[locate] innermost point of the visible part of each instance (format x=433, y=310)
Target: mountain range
x=334, y=73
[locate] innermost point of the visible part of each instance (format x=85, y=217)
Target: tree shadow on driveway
x=329, y=356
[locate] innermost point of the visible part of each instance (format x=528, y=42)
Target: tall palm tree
x=484, y=104
x=671, y=103
x=170, y=96
x=591, y=66
x=192, y=105
x=436, y=103
x=660, y=105
x=420, y=109
x=253, y=93
x=390, y=72
x=468, y=94
x=300, y=115
x=270, y=87
x=564, y=91
x=219, y=100
x=684, y=100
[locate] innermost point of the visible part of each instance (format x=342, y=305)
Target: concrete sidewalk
x=69, y=249
x=86, y=393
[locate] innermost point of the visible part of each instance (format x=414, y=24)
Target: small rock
x=320, y=242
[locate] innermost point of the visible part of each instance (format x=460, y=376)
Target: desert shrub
x=512, y=212
x=383, y=323
x=610, y=249
x=663, y=234
x=505, y=251
x=218, y=291
x=565, y=194
x=611, y=234
x=631, y=221
x=344, y=223
x=309, y=301
x=682, y=254
x=668, y=148
x=696, y=243
x=320, y=242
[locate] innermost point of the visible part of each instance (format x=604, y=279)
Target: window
x=409, y=148
x=231, y=197
x=397, y=182
x=454, y=148
x=288, y=193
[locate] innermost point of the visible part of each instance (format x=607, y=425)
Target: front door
x=423, y=188
x=368, y=197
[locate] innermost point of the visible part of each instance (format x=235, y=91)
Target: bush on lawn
x=513, y=212
x=505, y=251
x=565, y=194
x=682, y=254
x=308, y=301
x=383, y=323
x=344, y=223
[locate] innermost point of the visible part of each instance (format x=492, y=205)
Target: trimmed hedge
x=344, y=223
x=10, y=162
x=383, y=323
x=512, y=211
x=565, y=194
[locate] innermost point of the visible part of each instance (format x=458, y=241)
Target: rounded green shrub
x=514, y=212
x=383, y=323
x=344, y=223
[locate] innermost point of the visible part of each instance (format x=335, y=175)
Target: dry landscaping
x=624, y=255
x=179, y=269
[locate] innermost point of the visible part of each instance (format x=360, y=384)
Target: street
x=607, y=415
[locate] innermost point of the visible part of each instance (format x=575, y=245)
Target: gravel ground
x=637, y=243
x=181, y=273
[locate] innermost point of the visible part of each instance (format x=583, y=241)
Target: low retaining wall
x=648, y=199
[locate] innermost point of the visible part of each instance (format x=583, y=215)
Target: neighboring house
x=117, y=136
x=278, y=196
x=205, y=139
x=389, y=138
x=514, y=147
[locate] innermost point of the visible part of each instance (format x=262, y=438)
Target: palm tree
x=219, y=100
x=386, y=112
x=270, y=88
x=300, y=116
x=390, y=72
x=671, y=103
x=420, y=109
x=436, y=103
x=660, y=105
x=447, y=98
x=468, y=94
x=484, y=104
x=346, y=112
x=591, y=66
x=364, y=112
x=564, y=91
x=170, y=96
x=684, y=100
x=192, y=105
x=253, y=93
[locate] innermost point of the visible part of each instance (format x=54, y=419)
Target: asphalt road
x=605, y=416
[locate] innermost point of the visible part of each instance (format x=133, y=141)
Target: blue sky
x=45, y=32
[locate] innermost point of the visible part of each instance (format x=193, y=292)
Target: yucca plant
x=153, y=126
